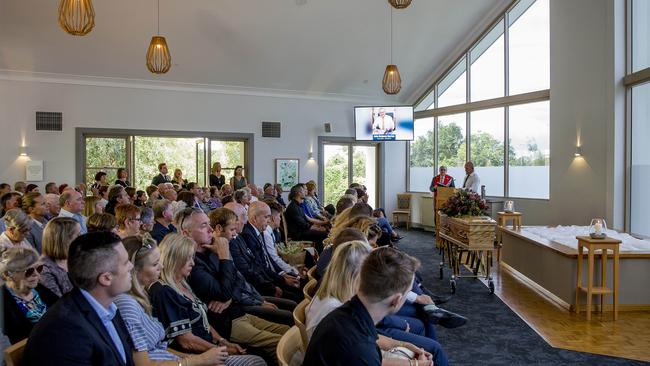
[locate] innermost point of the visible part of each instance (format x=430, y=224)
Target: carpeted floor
x=495, y=335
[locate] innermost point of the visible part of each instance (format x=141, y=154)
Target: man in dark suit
x=298, y=226
x=162, y=177
x=84, y=327
x=259, y=215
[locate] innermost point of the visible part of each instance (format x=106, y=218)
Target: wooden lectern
x=443, y=194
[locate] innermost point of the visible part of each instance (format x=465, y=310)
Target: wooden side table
x=502, y=221
x=593, y=245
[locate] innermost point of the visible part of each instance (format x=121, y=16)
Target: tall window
x=487, y=148
x=452, y=146
x=529, y=150
x=493, y=105
x=487, y=70
x=529, y=47
x=638, y=89
x=421, y=158
x=453, y=88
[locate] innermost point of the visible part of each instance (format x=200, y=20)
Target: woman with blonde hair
x=93, y=204
x=101, y=222
x=182, y=314
x=340, y=283
x=216, y=178
x=178, y=178
x=57, y=236
x=24, y=300
x=347, y=220
x=147, y=333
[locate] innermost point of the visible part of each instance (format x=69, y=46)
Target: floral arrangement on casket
x=464, y=217
x=464, y=203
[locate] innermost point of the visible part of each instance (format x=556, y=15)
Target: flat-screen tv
x=385, y=123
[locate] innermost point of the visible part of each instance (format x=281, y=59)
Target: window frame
x=82, y=133
x=469, y=106
x=630, y=80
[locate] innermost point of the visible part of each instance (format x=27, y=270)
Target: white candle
x=598, y=227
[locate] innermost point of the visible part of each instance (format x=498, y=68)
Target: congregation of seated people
x=179, y=274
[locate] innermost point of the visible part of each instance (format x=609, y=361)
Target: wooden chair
x=14, y=353
x=310, y=273
x=403, y=208
x=310, y=289
x=287, y=239
x=301, y=322
x=289, y=345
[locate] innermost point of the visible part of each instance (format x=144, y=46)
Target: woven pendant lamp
x=399, y=4
x=392, y=82
x=76, y=17
x=159, y=60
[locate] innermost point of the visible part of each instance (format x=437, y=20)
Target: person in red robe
x=440, y=180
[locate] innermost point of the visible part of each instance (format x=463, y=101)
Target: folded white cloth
x=566, y=235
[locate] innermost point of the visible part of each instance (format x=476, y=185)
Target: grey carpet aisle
x=495, y=335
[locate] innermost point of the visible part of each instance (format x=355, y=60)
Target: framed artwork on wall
x=287, y=172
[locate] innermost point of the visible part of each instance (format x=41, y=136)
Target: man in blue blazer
x=84, y=327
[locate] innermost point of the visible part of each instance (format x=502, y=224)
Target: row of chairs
x=295, y=340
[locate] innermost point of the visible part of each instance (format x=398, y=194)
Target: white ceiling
x=321, y=47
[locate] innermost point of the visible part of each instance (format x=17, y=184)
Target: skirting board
x=563, y=304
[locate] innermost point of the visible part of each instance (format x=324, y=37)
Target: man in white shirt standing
x=472, y=181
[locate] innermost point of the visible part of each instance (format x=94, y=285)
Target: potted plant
x=293, y=253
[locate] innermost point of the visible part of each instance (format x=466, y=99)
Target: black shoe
x=446, y=318
x=440, y=299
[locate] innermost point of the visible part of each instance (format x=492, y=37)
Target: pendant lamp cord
x=158, y=17
x=391, y=35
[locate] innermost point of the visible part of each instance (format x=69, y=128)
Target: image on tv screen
x=383, y=123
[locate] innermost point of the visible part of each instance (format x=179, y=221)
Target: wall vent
x=271, y=129
x=49, y=121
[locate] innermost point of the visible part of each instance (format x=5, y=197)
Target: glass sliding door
x=176, y=152
x=105, y=154
x=336, y=168
x=230, y=154
x=364, y=170
x=200, y=162
x=347, y=163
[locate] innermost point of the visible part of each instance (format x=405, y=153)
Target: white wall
x=132, y=108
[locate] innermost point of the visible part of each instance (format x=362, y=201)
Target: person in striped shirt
x=147, y=332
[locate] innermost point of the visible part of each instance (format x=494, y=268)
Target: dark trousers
x=417, y=336
x=282, y=315
x=316, y=236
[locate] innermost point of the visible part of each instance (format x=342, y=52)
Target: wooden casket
x=476, y=232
